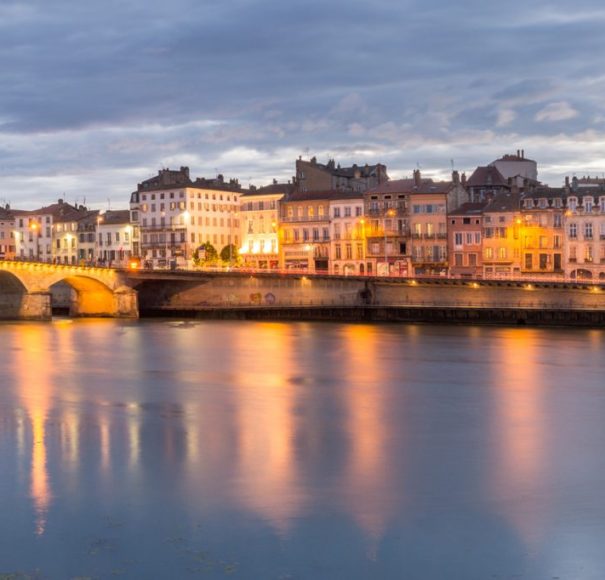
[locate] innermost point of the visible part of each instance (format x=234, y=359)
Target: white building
x=115, y=239
x=176, y=215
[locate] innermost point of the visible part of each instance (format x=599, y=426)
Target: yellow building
x=541, y=232
x=501, y=237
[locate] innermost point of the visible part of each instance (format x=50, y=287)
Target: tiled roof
x=469, y=209
x=322, y=195
x=486, y=176
x=506, y=201
x=114, y=217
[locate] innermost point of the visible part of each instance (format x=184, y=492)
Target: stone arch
x=94, y=297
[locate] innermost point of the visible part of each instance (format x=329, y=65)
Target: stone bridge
x=26, y=291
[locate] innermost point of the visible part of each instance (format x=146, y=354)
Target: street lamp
x=363, y=243
x=35, y=228
x=186, y=216
x=389, y=213
x=309, y=249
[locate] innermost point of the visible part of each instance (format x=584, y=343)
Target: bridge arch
x=94, y=291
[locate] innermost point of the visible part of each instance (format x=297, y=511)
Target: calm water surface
x=301, y=451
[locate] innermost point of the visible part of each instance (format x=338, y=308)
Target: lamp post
x=35, y=228
x=363, y=243
x=389, y=213
x=99, y=236
x=186, y=215
x=309, y=248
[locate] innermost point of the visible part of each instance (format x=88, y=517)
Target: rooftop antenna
x=108, y=203
x=452, y=164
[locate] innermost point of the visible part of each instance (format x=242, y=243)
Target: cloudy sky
x=96, y=96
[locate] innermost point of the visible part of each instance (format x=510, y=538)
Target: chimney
x=464, y=180
x=522, y=153
x=455, y=177
x=185, y=171
x=417, y=178
x=567, y=181
x=518, y=153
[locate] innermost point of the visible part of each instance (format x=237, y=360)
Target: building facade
x=259, y=219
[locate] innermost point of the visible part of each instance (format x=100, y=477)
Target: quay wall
x=331, y=298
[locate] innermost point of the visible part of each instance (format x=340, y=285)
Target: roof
x=545, y=192
x=394, y=186
x=114, y=217
x=321, y=195
x=469, y=209
x=486, y=175
x=505, y=201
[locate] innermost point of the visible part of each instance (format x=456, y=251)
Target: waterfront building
x=347, y=236
x=584, y=223
x=48, y=234
x=387, y=228
x=465, y=236
x=305, y=230
x=73, y=235
x=176, y=215
x=314, y=176
x=86, y=232
x=259, y=218
x=115, y=240
x=541, y=233
x=501, y=243
x=7, y=234
x=429, y=203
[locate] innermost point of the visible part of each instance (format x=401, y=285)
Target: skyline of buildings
x=501, y=221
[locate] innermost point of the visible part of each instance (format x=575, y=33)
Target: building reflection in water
x=367, y=481
x=520, y=432
x=269, y=477
x=34, y=386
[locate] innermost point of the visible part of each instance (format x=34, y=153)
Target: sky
x=96, y=97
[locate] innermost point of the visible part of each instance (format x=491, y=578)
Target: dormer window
x=557, y=202
x=542, y=203
x=528, y=204
x=572, y=203
x=587, y=201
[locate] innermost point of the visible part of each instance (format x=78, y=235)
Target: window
x=347, y=211
x=336, y=212
x=588, y=230
x=572, y=203
x=458, y=239
x=588, y=204
x=573, y=231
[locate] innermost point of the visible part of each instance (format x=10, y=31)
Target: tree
x=230, y=254
x=204, y=254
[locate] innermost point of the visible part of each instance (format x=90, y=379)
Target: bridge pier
x=123, y=303
x=26, y=306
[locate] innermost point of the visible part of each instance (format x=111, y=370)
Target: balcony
x=306, y=219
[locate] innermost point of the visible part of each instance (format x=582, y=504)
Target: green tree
x=205, y=254
x=230, y=254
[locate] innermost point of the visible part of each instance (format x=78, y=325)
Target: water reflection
x=520, y=424
x=370, y=494
x=269, y=475
x=377, y=446
x=34, y=387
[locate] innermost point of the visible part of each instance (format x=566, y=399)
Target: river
x=169, y=449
